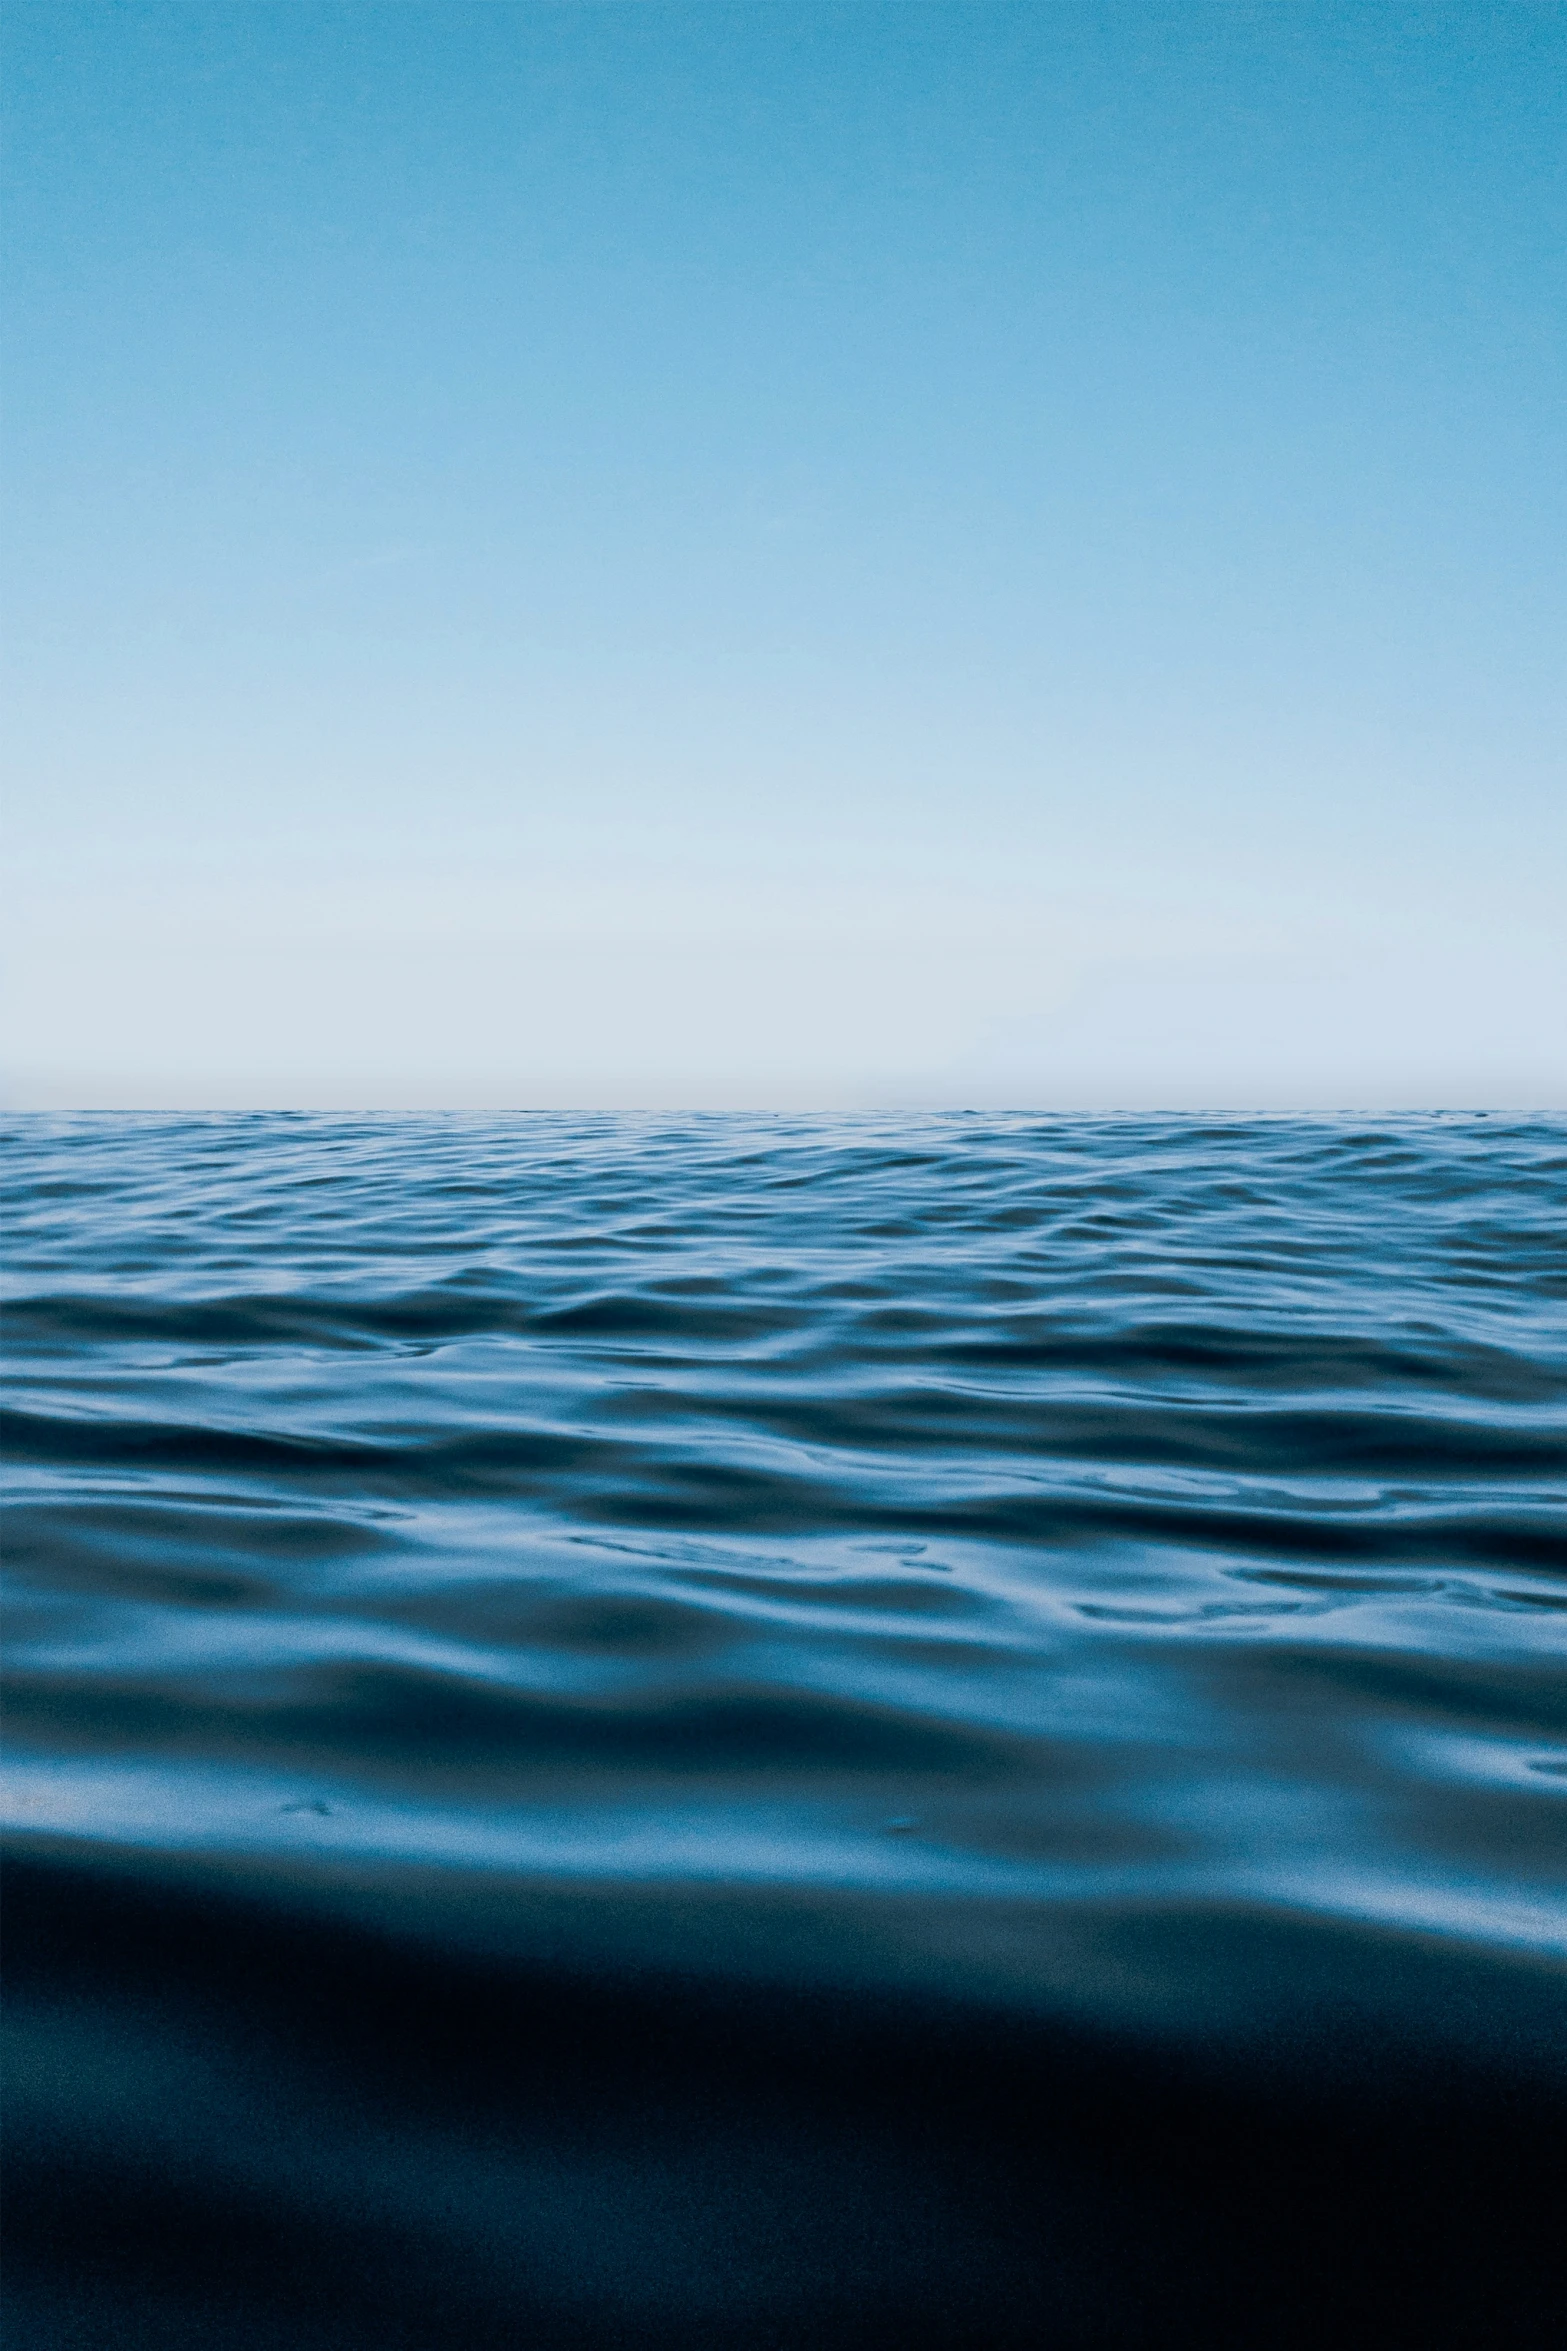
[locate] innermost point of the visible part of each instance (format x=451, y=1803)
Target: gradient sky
x=963, y=554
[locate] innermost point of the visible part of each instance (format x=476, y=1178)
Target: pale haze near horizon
x=858, y=556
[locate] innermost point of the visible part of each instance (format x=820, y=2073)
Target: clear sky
x=956, y=553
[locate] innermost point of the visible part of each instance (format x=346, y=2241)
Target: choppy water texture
x=731, y=1731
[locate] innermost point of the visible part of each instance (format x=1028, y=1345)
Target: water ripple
x=1078, y=1564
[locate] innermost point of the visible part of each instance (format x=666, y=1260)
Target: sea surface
x=728, y=1731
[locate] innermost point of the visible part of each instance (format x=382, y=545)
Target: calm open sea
x=762, y=1730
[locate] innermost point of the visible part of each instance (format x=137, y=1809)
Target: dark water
x=757, y=1731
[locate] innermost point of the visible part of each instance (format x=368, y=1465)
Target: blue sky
x=783, y=554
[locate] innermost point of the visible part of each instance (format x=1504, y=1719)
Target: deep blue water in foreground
x=735, y=1731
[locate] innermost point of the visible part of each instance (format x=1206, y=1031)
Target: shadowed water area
x=746, y=1731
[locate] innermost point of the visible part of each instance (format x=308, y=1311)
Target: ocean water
x=754, y=1730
